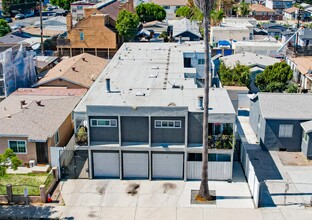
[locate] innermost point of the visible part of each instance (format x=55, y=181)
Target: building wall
x=104, y=134
x=168, y=135
x=62, y=83
x=96, y=34
x=195, y=127
x=134, y=129
x=273, y=142
x=256, y=120
x=258, y=49
x=30, y=146
x=269, y=4
x=229, y=34
x=306, y=148
x=77, y=12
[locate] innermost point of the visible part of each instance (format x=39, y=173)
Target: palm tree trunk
x=204, y=188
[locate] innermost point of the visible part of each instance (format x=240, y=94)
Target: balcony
x=220, y=142
x=63, y=42
x=301, y=51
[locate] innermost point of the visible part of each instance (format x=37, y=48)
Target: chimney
x=200, y=102
x=69, y=21
x=108, y=85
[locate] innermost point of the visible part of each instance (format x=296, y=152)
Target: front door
x=42, y=153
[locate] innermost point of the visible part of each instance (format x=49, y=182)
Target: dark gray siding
x=134, y=129
x=195, y=127
x=168, y=135
x=104, y=134
x=273, y=142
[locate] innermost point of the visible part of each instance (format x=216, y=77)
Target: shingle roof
x=184, y=25
x=303, y=64
x=13, y=38
x=291, y=10
x=170, y=2
x=290, y=106
x=86, y=69
x=307, y=126
x=37, y=122
x=260, y=8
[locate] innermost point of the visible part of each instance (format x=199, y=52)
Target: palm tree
x=242, y=9
x=216, y=17
x=203, y=193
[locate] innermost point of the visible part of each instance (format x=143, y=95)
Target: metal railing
x=63, y=42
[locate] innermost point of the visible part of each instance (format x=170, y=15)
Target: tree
x=203, y=193
x=8, y=157
x=216, y=16
x=291, y=88
x=242, y=9
x=274, y=78
x=150, y=12
x=184, y=11
x=127, y=24
x=236, y=76
x=65, y=4
x=4, y=28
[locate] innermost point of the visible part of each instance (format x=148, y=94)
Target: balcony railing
x=300, y=50
x=224, y=142
x=63, y=42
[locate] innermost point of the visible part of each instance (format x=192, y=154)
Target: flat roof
x=144, y=75
x=258, y=43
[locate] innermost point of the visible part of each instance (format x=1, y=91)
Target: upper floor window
x=56, y=138
x=167, y=124
x=103, y=122
x=201, y=61
x=166, y=7
x=285, y=131
x=81, y=35
x=74, y=9
x=18, y=146
x=79, y=7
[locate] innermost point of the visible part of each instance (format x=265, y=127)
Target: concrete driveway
x=110, y=199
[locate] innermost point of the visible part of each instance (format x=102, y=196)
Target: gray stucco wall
x=134, y=129
x=168, y=135
x=195, y=127
x=273, y=142
x=306, y=148
x=253, y=120
x=104, y=134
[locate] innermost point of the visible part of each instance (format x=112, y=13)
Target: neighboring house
x=240, y=20
x=302, y=70
x=268, y=48
x=302, y=46
x=256, y=62
x=45, y=63
x=76, y=72
x=77, y=9
x=96, y=33
x=279, y=5
x=218, y=33
x=290, y=13
x=144, y=116
x=274, y=29
x=170, y=6
x=260, y=12
x=185, y=29
x=280, y=121
x=156, y=26
x=34, y=120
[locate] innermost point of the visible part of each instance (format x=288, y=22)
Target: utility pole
x=41, y=28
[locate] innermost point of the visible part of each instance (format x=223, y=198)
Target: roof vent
x=152, y=76
x=84, y=59
x=39, y=103
x=73, y=68
x=140, y=94
x=23, y=102
x=155, y=68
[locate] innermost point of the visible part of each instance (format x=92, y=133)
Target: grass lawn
x=20, y=181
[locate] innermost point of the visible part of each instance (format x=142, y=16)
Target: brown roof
x=170, y=2
x=50, y=91
x=260, y=8
x=291, y=10
x=111, y=9
x=46, y=32
x=304, y=64
x=82, y=70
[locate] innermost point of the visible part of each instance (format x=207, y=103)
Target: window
x=81, y=34
x=244, y=38
x=285, y=131
x=167, y=124
x=305, y=136
x=74, y=9
x=217, y=128
x=79, y=7
x=18, y=146
x=201, y=61
x=56, y=138
x=166, y=7
x=103, y=122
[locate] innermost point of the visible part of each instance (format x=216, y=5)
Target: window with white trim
x=18, y=146
x=168, y=123
x=56, y=138
x=285, y=131
x=201, y=61
x=305, y=136
x=103, y=122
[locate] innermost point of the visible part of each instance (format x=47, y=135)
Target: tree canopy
x=242, y=8
x=236, y=76
x=127, y=24
x=150, y=12
x=4, y=28
x=65, y=4
x=216, y=17
x=274, y=78
x=8, y=157
x=184, y=11
x=20, y=5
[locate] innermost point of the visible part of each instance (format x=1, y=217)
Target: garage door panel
x=135, y=165
x=106, y=165
x=167, y=166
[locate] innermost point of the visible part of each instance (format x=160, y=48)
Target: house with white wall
x=77, y=9
x=170, y=6
x=278, y=5
x=228, y=33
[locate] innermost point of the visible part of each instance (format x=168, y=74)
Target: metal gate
x=74, y=164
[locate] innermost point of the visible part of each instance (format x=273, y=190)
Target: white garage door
x=167, y=166
x=135, y=165
x=106, y=165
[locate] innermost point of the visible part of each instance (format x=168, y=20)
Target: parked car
x=8, y=20
x=19, y=16
x=17, y=26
